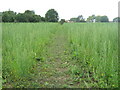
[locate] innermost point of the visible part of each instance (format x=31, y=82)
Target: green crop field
x=72, y=55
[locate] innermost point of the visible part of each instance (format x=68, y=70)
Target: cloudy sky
x=65, y=8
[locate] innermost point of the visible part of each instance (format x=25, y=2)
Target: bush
x=62, y=21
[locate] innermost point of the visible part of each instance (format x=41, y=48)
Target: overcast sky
x=65, y=8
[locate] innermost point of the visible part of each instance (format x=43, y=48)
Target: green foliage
x=97, y=19
x=27, y=16
x=20, y=17
x=0, y=54
x=62, y=21
x=104, y=19
x=91, y=18
x=101, y=19
x=36, y=18
x=95, y=48
x=31, y=17
x=117, y=19
x=22, y=43
x=8, y=16
x=73, y=19
x=51, y=16
x=0, y=16
x=75, y=70
x=42, y=19
x=30, y=12
x=78, y=19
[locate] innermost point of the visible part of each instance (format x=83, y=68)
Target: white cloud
x=65, y=8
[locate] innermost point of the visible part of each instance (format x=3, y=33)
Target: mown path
x=54, y=71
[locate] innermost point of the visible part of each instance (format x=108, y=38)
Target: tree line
x=29, y=16
x=94, y=18
x=50, y=16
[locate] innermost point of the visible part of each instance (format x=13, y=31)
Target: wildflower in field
x=102, y=74
x=113, y=85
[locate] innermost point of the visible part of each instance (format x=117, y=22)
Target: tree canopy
x=78, y=19
x=62, y=21
x=101, y=19
x=104, y=19
x=51, y=16
x=91, y=18
x=20, y=17
x=27, y=16
x=8, y=16
x=117, y=19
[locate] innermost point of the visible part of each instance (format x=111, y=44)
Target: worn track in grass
x=54, y=71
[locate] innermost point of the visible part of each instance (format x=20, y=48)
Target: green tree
x=0, y=16
x=73, y=19
x=91, y=18
x=104, y=19
x=117, y=19
x=21, y=17
x=8, y=16
x=62, y=21
x=51, y=16
x=101, y=19
x=30, y=12
x=98, y=19
x=80, y=19
x=29, y=15
x=42, y=19
x=36, y=18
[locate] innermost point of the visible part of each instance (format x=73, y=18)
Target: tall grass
x=0, y=54
x=22, y=42
x=95, y=47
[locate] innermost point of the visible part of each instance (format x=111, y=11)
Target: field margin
x=0, y=50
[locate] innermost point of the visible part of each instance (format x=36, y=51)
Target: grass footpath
x=53, y=68
x=58, y=69
x=53, y=72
